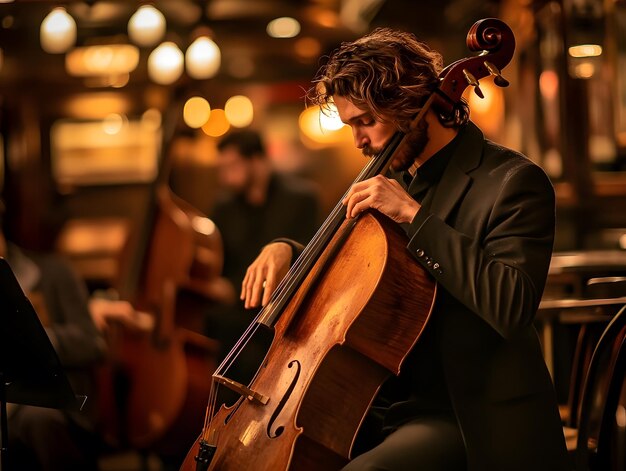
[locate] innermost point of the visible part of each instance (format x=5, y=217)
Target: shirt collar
x=430, y=172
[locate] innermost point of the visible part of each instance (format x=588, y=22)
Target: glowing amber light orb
x=217, y=125
x=239, y=111
x=196, y=112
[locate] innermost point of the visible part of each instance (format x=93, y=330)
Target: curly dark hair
x=389, y=72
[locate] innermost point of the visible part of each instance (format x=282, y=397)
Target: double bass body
x=334, y=345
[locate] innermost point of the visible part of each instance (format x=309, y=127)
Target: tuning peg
x=471, y=80
x=499, y=80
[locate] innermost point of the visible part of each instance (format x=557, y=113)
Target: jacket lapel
x=456, y=180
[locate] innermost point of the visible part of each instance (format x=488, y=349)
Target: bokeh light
x=239, y=111
x=196, y=112
x=217, y=125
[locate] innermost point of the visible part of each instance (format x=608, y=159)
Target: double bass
x=160, y=365
x=344, y=319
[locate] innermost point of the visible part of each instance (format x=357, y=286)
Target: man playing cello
x=475, y=393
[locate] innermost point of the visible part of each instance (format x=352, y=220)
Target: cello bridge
x=242, y=390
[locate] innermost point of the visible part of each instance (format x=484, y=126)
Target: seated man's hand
x=265, y=273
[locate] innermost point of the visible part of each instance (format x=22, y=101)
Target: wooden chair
x=601, y=442
x=586, y=341
x=589, y=332
x=605, y=287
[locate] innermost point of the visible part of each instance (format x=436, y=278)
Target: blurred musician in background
x=51, y=439
x=475, y=392
x=257, y=204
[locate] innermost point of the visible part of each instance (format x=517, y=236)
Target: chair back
x=602, y=421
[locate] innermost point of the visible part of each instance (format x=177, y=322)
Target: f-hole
x=274, y=433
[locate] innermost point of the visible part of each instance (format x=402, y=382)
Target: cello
x=344, y=319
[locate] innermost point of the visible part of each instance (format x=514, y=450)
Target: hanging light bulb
x=147, y=26
x=203, y=58
x=165, y=63
x=58, y=31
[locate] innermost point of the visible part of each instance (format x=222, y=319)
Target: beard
x=413, y=145
x=370, y=151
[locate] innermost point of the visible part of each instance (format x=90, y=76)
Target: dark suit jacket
x=487, y=240
x=486, y=236
x=291, y=210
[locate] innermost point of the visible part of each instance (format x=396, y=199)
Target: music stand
x=30, y=370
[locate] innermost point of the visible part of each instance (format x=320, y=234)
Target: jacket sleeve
x=73, y=334
x=498, y=270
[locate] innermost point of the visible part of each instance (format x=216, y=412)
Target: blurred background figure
x=257, y=204
x=51, y=439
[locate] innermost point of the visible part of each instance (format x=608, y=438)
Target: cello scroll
x=495, y=42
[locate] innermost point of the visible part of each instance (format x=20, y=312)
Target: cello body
x=335, y=344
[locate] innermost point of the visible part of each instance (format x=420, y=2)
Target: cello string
x=284, y=289
x=288, y=282
x=287, y=285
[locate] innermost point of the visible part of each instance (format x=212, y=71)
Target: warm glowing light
x=114, y=81
x=96, y=105
x=58, y=31
x=106, y=60
x=203, y=58
x=113, y=123
x=196, y=112
x=147, y=26
x=217, y=125
x=585, y=50
x=165, y=63
x=95, y=152
x=584, y=70
x=151, y=119
x=313, y=125
x=549, y=84
x=284, y=27
x=329, y=118
x=239, y=111
x=620, y=416
x=487, y=112
x=327, y=18
x=308, y=47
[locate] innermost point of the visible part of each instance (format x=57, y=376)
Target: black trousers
x=431, y=443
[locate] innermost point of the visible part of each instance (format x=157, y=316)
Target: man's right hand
x=265, y=273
